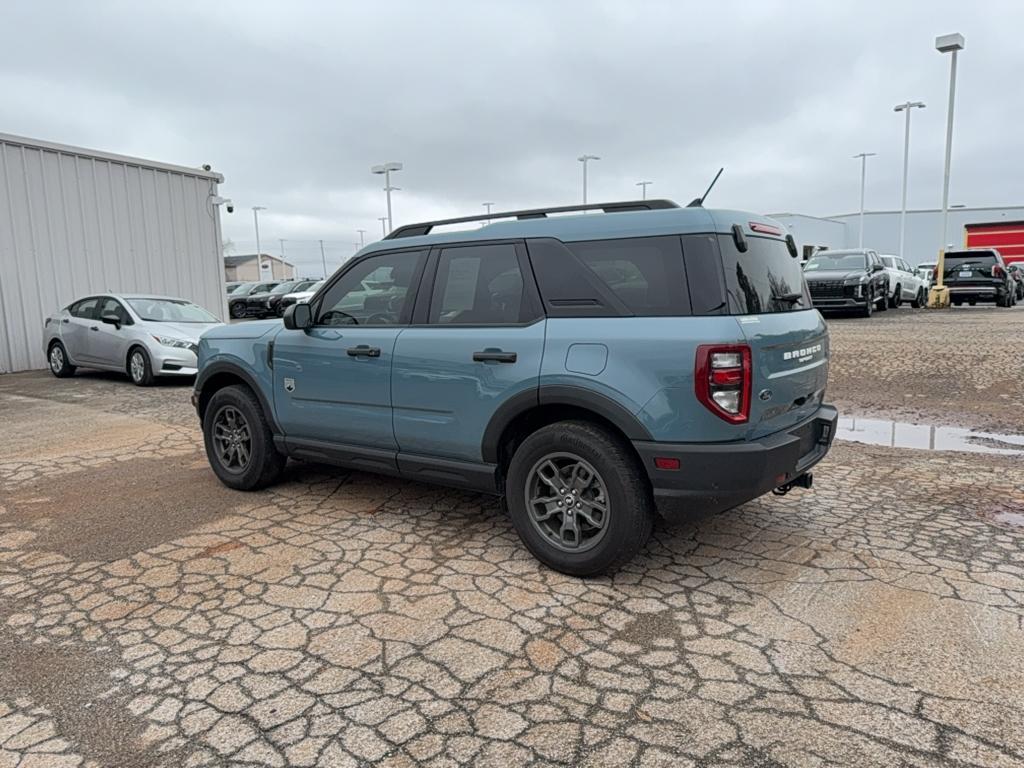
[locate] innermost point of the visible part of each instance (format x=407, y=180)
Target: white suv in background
x=904, y=283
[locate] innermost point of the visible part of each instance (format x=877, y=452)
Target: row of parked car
x=268, y=298
x=863, y=281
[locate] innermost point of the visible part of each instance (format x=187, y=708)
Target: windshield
x=764, y=278
x=171, y=311
x=889, y=261
x=287, y=287
x=242, y=288
x=314, y=287
x=845, y=261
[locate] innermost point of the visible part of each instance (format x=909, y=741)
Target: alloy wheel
x=232, y=439
x=56, y=358
x=138, y=366
x=567, y=502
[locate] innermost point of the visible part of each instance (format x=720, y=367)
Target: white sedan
x=904, y=283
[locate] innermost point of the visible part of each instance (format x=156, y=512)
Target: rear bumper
x=976, y=291
x=714, y=477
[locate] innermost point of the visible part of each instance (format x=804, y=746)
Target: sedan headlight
x=170, y=341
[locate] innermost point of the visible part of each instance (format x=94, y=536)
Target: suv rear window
x=645, y=273
x=764, y=279
x=979, y=263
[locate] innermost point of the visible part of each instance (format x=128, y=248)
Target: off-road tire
x=265, y=463
x=631, y=511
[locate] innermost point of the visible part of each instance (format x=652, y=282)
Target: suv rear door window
x=478, y=285
x=645, y=273
x=968, y=265
x=764, y=278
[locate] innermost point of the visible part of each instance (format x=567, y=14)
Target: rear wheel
x=579, y=499
x=237, y=310
x=897, y=297
x=920, y=299
x=140, y=371
x=239, y=443
x=958, y=302
x=58, y=359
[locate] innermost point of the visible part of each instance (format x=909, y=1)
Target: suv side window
x=645, y=273
x=478, y=285
x=376, y=291
x=85, y=309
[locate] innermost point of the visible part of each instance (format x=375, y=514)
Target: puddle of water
x=901, y=434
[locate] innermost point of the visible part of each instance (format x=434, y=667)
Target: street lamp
x=488, y=207
x=585, y=159
x=939, y=294
x=362, y=237
x=863, y=175
x=259, y=256
x=383, y=225
x=905, y=107
x=643, y=186
x=386, y=170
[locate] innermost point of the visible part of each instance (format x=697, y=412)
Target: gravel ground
x=151, y=617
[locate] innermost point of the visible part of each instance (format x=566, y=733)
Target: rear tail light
x=722, y=381
x=998, y=271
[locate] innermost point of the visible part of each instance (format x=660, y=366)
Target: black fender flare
x=558, y=394
x=224, y=367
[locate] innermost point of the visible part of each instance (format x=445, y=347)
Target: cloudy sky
x=493, y=101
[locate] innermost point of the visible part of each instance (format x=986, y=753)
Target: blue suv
x=593, y=369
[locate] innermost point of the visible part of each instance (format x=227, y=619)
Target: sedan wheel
x=139, y=369
x=58, y=359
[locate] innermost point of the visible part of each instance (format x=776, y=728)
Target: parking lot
x=150, y=616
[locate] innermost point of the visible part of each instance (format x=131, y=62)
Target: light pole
x=281, y=240
x=259, y=256
x=386, y=170
x=905, y=107
x=383, y=225
x=939, y=294
x=488, y=207
x=586, y=159
x=643, y=186
x=863, y=176
x=362, y=237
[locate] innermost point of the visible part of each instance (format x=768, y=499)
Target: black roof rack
x=423, y=228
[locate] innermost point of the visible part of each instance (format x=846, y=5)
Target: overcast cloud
x=293, y=102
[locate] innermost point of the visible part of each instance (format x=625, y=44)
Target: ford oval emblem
x=764, y=394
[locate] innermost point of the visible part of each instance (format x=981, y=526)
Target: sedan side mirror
x=298, y=317
x=112, y=319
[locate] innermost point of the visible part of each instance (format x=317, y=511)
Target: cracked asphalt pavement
x=151, y=617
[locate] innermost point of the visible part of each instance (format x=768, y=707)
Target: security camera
x=230, y=207
x=207, y=168
x=218, y=200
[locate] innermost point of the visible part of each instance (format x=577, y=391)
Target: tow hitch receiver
x=806, y=480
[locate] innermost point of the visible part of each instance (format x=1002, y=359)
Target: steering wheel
x=380, y=318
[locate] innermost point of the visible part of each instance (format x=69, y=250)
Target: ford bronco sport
x=593, y=369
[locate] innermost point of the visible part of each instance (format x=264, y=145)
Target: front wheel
x=897, y=297
x=140, y=371
x=239, y=443
x=869, y=306
x=579, y=498
x=920, y=300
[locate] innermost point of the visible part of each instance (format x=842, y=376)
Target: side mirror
x=111, y=319
x=877, y=267
x=791, y=246
x=298, y=317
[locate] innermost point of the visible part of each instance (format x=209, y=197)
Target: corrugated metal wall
x=75, y=222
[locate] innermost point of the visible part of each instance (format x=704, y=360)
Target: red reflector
x=765, y=229
x=665, y=462
x=727, y=377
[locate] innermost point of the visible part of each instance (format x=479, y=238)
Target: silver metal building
x=76, y=221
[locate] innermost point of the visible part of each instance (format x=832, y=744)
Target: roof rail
x=424, y=228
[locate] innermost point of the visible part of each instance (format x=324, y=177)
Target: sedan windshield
x=837, y=261
x=171, y=311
